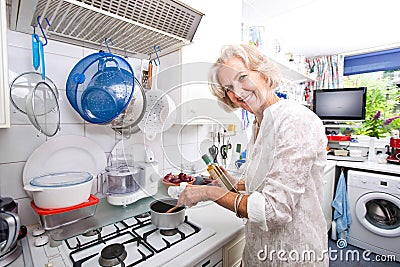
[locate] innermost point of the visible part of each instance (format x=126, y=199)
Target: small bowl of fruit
x=176, y=179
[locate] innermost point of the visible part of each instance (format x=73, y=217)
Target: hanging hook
x=34, y=34
x=156, y=50
x=105, y=40
x=41, y=28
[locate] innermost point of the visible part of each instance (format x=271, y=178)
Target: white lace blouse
x=284, y=177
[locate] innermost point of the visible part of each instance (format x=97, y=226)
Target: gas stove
x=130, y=242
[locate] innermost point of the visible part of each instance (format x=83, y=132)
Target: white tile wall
x=19, y=141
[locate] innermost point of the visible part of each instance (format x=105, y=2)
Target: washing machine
x=374, y=201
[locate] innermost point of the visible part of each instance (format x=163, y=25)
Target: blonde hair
x=253, y=59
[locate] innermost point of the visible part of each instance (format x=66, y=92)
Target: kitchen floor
x=355, y=263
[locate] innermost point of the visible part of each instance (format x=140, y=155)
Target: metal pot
x=9, y=231
x=60, y=190
x=165, y=221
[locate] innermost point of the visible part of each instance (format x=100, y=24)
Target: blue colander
x=100, y=87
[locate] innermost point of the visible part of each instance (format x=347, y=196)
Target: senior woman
x=283, y=181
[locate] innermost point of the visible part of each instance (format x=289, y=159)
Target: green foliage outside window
x=382, y=103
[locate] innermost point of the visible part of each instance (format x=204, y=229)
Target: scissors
x=224, y=150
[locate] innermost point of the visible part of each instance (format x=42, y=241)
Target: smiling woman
x=246, y=69
x=282, y=183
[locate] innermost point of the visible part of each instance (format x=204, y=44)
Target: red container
x=395, y=142
x=338, y=138
x=55, y=218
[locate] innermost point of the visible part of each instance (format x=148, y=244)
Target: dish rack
x=134, y=26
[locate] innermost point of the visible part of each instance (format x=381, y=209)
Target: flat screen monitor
x=344, y=104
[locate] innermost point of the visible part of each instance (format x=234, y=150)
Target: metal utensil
x=216, y=154
x=163, y=220
x=43, y=110
x=213, y=149
x=23, y=85
x=160, y=111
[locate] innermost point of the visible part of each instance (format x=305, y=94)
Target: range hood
x=134, y=26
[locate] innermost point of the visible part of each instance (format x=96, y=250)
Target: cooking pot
x=9, y=230
x=8, y=204
x=60, y=190
x=165, y=221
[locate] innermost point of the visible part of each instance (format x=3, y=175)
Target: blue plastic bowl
x=100, y=87
x=98, y=104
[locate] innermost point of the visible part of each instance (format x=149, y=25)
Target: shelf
x=342, y=126
x=289, y=72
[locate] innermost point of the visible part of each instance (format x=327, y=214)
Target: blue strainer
x=100, y=87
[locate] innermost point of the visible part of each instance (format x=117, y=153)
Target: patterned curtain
x=328, y=71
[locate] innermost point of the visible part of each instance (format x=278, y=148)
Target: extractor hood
x=134, y=26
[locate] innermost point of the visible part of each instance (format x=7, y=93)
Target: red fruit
x=176, y=180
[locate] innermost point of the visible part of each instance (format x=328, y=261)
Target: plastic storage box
x=55, y=218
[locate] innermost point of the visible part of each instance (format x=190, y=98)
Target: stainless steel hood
x=134, y=26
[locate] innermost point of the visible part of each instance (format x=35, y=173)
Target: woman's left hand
x=192, y=195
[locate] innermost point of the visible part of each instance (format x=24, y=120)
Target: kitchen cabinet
x=290, y=72
x=214, y=260
x=232, y=251
x=4, y=90
x=221, y=25
x=329, y=184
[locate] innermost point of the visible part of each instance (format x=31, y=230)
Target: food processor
x=125, y=181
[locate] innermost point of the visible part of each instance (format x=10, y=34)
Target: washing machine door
x=379, y=213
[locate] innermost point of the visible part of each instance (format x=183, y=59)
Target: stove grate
x=129, y=229
x=168, y=244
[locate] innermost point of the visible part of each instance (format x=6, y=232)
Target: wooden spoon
x=172, y=209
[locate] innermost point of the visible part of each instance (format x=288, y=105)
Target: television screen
x=344, y=104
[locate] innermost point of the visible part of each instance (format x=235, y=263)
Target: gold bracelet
x=237, y=208
x=234, y=203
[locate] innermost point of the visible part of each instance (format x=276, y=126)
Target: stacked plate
x=61, y=164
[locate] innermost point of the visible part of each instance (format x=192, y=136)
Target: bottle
x=218, y=174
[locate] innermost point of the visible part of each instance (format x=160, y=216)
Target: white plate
x=65, y=153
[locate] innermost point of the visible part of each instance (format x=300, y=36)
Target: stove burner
x=92, y=232
x=143, y=215
x=168, y=232
x=113, y=255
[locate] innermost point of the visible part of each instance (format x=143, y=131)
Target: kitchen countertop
x=370, y=166
x=329, y=165
x=211, y=215
x=224, y=222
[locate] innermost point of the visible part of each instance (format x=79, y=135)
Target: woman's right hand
x=239, y=184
